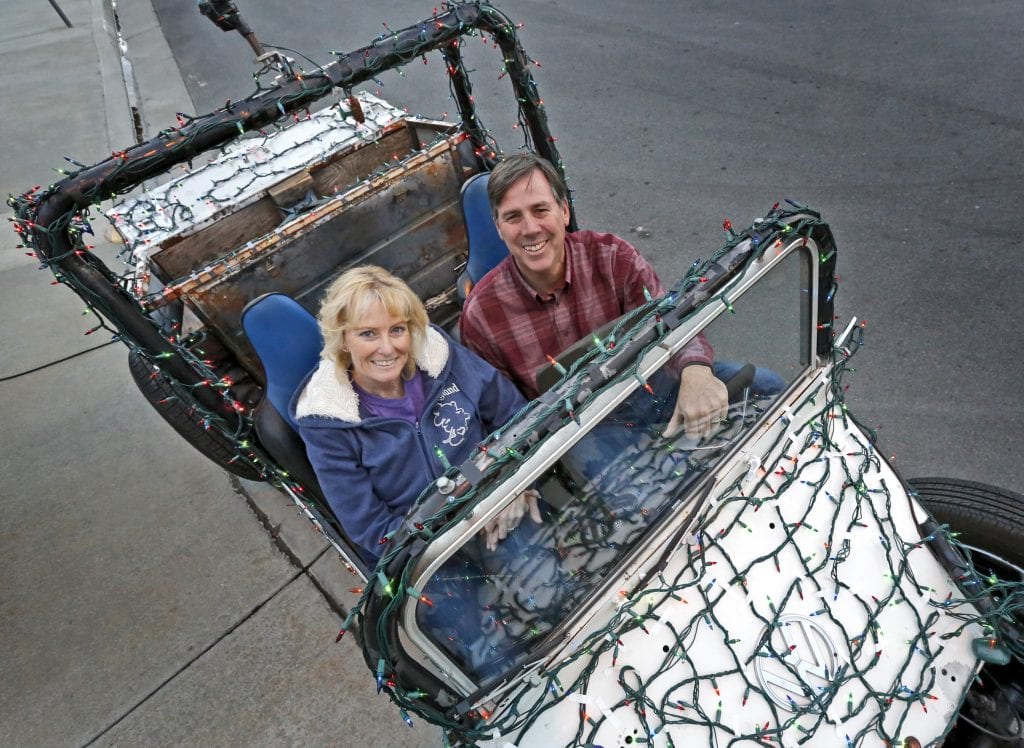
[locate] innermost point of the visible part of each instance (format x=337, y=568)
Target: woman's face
x=379, y=344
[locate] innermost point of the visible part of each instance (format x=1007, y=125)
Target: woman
x=390, y=395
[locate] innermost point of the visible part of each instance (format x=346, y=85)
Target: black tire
x=212, y=443
x=990, y=520
x=987, y=518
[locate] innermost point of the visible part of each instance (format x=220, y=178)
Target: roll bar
x=48, y=218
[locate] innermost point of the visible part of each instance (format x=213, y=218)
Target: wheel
x=212, y=443
x=989, y=519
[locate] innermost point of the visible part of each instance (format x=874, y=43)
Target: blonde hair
x=348, y=300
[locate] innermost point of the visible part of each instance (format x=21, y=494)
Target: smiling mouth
x=385, y=363
x=532, y=249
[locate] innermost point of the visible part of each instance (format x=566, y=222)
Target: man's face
x=532, y=223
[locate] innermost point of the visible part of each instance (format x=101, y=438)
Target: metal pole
x=60, y=13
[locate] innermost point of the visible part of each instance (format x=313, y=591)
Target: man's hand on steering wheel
x=701, y=403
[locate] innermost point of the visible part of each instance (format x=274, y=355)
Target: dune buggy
x=774, y=583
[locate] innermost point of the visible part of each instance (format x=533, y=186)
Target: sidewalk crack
x=243, y=620
x=332, y=601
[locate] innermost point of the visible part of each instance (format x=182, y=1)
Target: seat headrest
x=486, y=248
x=287, y=340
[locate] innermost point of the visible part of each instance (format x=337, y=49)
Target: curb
x=142, y=86
x=116, y=102
x=152, y=77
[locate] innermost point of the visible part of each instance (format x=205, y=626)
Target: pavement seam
x=47, y=365
x=264, y=518
x=194, y=659
x=282, y=545
x=301, y=570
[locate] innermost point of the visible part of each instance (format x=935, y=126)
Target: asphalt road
x=902, y=123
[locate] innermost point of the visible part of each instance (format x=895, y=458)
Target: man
x=555, y=287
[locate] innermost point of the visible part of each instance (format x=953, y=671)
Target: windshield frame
x=630, y=569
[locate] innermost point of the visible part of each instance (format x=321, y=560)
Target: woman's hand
x=509, y=517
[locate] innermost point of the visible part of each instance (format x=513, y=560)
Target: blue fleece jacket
x=371, y=469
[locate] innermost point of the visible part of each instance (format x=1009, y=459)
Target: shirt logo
x=453, y=420
x=449, y=390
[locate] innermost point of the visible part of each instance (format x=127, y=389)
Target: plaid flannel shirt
x=514, y=328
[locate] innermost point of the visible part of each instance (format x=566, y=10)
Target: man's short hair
x=514, y=167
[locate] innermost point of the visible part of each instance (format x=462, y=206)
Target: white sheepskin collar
x=329, y=392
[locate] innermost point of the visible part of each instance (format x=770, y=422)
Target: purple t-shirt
x=408, y=408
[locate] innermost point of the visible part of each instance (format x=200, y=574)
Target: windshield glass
x=489, y=608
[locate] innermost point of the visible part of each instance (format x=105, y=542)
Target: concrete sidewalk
x=143, y=600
